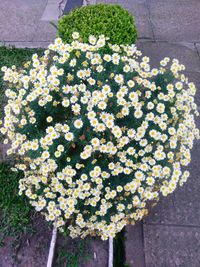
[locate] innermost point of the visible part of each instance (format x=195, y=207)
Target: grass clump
x=15, y=211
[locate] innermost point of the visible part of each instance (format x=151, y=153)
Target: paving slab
x=48, y=32
x=175, y=20
x=17, y=32
x=24, y=16
x=183, y=206
x=25, y=25
x=139, y=10
x=171, y=246
x=53, y=10
x=134, y=245
x=186, y=53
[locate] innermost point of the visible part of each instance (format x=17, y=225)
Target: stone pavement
x=170, y=236
x=26, y=23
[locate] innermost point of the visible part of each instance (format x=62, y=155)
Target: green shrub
x=111, y=20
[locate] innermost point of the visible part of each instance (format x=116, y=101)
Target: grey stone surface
x=134, y=245
x=47, y=34
x=172, y=246
x=183, y=206
x=175, y=20
x=20, y=21
x=53, y=10
x=185, y=52
x=17, y=32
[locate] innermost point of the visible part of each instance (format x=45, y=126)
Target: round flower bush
x=98, y=136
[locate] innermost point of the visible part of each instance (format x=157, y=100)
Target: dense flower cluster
x=98, y=135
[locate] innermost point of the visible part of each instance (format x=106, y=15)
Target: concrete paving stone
x=51, y=12
x=138, y=9
x=183, y=206
x=144, y=28
x=171, y=246
x=175, y=20
x=134, y=246
x=45, y=31
x=17, y=32
x=18, y=20
x=185, y=52
x=21, y=11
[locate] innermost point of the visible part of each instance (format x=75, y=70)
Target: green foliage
x=119, y=249
x=14, y=210
x=111, y=20
x=71, y=258
x=10, y=56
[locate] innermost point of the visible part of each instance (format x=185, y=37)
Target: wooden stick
x=52, y=247
x=110, y=254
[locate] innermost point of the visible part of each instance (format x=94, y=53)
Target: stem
x=52, y=247
x=110, y=255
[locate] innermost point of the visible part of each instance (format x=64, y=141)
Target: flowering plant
x=98, y=135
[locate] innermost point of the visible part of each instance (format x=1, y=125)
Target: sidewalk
x=25, y=23
x=170, y=236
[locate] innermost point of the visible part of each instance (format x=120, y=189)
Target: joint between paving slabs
x=173, y=225
x=60, y=7
x=149, y=18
